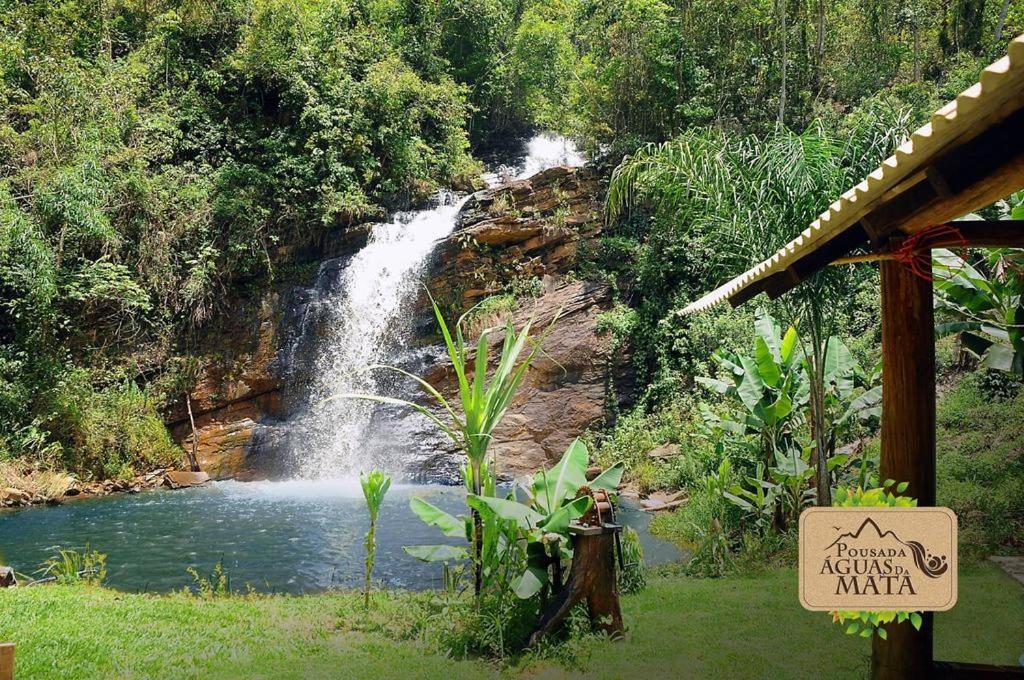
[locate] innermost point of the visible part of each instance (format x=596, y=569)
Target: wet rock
x=526, y=228
x=181, y=479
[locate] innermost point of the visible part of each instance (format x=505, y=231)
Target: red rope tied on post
x=915, y=252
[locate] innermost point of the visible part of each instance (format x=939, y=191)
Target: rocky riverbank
x=39, y=487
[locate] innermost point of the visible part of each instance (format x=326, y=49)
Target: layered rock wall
x=528, y=230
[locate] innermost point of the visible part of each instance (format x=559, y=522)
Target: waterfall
x=363, y=324
x=359, y=313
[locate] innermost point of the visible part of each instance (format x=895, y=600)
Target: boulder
x=7, y=577
x=182, y=479
x=664, y=451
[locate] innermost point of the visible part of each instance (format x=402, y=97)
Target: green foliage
x=217, y=584
x=633, y=575
x=637, y=433
x=483, y=403
x=71, y=566
x=986, y=303
x=156, y=156
x=979, y=469
x=773, y=388
x=710, y=202
x=375, y=485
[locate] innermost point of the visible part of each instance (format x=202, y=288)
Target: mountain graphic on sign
x=856, y=534
x=932, y=566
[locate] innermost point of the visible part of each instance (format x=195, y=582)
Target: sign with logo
x=880, y=559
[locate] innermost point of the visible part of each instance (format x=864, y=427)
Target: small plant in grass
x=375, y=486
x=216, y=584
x=868, y=623
x=633, y=575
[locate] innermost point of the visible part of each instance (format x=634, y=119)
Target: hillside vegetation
x=157, y=157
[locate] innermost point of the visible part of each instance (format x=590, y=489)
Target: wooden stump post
x=592, y=580
x=6, y=661
x=908, y=438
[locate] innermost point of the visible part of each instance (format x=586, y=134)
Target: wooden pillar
x=908, y=438
x=6, y=661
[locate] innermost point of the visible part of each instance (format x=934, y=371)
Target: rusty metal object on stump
x=592, y=578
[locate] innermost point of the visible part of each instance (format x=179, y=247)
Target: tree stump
x=591, y=580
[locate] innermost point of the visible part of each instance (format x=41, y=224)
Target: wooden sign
x=884, y=559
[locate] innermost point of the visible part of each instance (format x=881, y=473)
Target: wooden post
x=908, y=438
x=6, y=661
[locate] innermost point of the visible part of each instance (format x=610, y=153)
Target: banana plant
x=988, y=306
x=771, y=386
x=375, y=486
x=483, y=404
x=535, y=529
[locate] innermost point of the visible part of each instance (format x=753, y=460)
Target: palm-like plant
x=735, y=200
x=483, y=404
x=375, y=486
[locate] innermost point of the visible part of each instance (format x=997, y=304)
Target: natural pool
x=292, y=536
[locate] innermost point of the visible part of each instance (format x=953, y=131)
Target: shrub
x=633, y=574
x=73, y=566
x=112, y=432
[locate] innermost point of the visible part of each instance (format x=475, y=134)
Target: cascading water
x=359, y=313
x=363, y=326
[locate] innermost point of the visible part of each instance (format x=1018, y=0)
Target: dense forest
x=157, y=155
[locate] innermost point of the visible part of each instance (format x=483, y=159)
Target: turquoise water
x=292, y=536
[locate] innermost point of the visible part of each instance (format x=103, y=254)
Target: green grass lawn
x=679, y=627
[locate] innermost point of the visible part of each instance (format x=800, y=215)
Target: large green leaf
x=839, y=366
x=999, y=357
x=510, y=511
x=768, y=332
x=563, y=480
x=767, y=367
x=558, y=521
x=609, y=479
x=865, y=406
x=530, y=582
x=789, y=342
x=751, y=387
x=717, y=386
x=437, y=553
x=434, y=516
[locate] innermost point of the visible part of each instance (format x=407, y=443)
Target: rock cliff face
x=530, y=229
